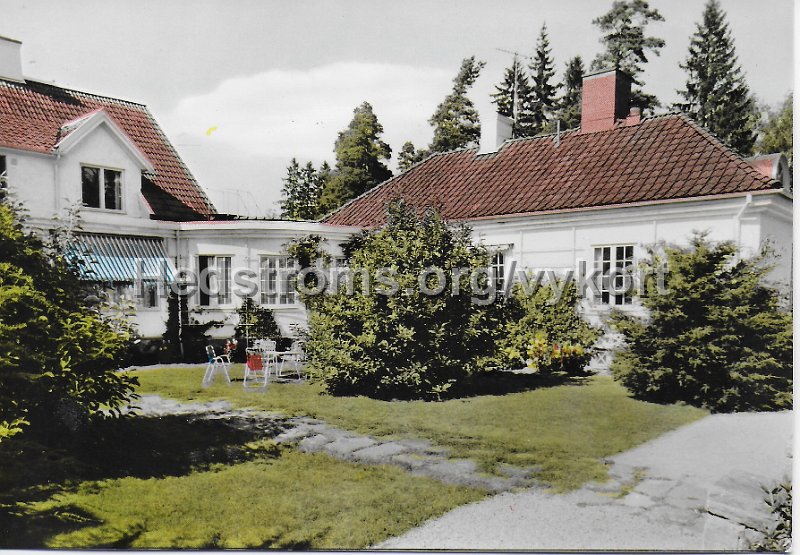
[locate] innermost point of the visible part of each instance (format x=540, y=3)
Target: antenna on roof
x=514, y=93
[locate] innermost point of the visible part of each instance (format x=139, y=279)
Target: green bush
x=547, y=332
x=57, y=355
x=255, y=322
x=716, y=338
x=408, y=344
x=185, y=338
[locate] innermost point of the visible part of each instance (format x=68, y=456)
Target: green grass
x=564, y=431
x=294, y=501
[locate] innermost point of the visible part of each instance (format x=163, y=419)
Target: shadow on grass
x=34, y=469
x=503, y=383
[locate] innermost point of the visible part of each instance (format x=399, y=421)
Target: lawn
x=172, y=483
x=563, y=431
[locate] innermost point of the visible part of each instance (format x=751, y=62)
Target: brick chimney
x=10, y=60
x=605, y=100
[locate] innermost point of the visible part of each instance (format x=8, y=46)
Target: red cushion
x=254, y=362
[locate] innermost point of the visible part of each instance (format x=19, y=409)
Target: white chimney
x=505, y=128
x=10, y=60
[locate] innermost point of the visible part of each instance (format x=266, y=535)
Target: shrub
x=57, y=355
x=185, y=338
x=715, y=339
x=255, y=322
x=547, y=332
x=408, y=344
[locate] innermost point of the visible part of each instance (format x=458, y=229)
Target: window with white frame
x=278, y=280
x=214, y=274
x=614, y=265
x=498, y=267
x=101, y=188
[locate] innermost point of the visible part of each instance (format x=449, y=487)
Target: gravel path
x=691, y=489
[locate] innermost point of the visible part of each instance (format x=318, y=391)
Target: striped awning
x=120, y=258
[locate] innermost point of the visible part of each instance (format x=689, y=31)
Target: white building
x=600, y=193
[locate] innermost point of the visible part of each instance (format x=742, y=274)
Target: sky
x=242, y=87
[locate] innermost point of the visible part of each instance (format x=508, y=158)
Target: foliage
x=409, y=155
x=543, y=93
x=255, y=322
x=301, y=192
x=516, y=427
x=361, y=157
x=185, y=338
x=455, y=122
x=569, y=105
x=551, y=337
x=716, y=339
x=625, y=44
x=777, y=133
x=716, y=94
x=777, y=535
x=515, y=88
x=57, y=355
x=404, y=343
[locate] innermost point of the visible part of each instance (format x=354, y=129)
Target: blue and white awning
x=120, y=258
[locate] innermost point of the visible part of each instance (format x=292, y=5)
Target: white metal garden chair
x=269, y=354
x=216, y=364
x=296, y=356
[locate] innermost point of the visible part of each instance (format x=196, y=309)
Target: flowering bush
x=549, y=357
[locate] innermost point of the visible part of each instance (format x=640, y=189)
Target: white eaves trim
x=81, y=127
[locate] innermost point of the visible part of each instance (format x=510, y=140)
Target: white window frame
x=102, y=188
x=277, y=275
x=142, y=298
x=606, y=258
x=497, y=264
x=219, y=280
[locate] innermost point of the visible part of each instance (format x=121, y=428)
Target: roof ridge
x=6, y=82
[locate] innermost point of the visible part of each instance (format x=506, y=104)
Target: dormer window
x=101, y=188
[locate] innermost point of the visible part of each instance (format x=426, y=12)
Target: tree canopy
x=569, y=105
x=716, y=94
x=361, y=156
x=302, y=188
x=777, y=133
x=455, y=122
x=626, y=44
x=542, y=97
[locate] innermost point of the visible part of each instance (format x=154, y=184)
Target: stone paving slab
x=379, y=454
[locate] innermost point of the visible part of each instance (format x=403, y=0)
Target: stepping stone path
x=309, y=435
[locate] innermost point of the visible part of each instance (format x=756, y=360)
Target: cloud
x=285, y=113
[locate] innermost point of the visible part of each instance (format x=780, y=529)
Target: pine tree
x=360, y=160
x=301, y=192
x=542, y=99
x=409, y=155
x=569, y=105
x=455, y=122
x=626, y=45
x=716, y=94
x=777, y=133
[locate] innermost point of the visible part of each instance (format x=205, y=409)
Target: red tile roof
x=663, y=157
x=32, y=115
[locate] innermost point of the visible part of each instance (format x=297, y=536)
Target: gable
x=33, y=114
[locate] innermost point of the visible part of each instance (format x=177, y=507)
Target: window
x=3, y=178
x=148, y=297
x=614, y=263
x=214, y=274
x=498, y=266
x=278, y=280
x=107, y=197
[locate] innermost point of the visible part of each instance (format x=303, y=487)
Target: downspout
x=56, y=183
x=747, y=202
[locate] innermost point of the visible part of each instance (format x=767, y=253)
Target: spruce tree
x=625, y=44
x=539, y=105
x=514, y=88
x=569, y=105
x=455, y=122
x=716, y=94
x=361, y=157
x=301, y=192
